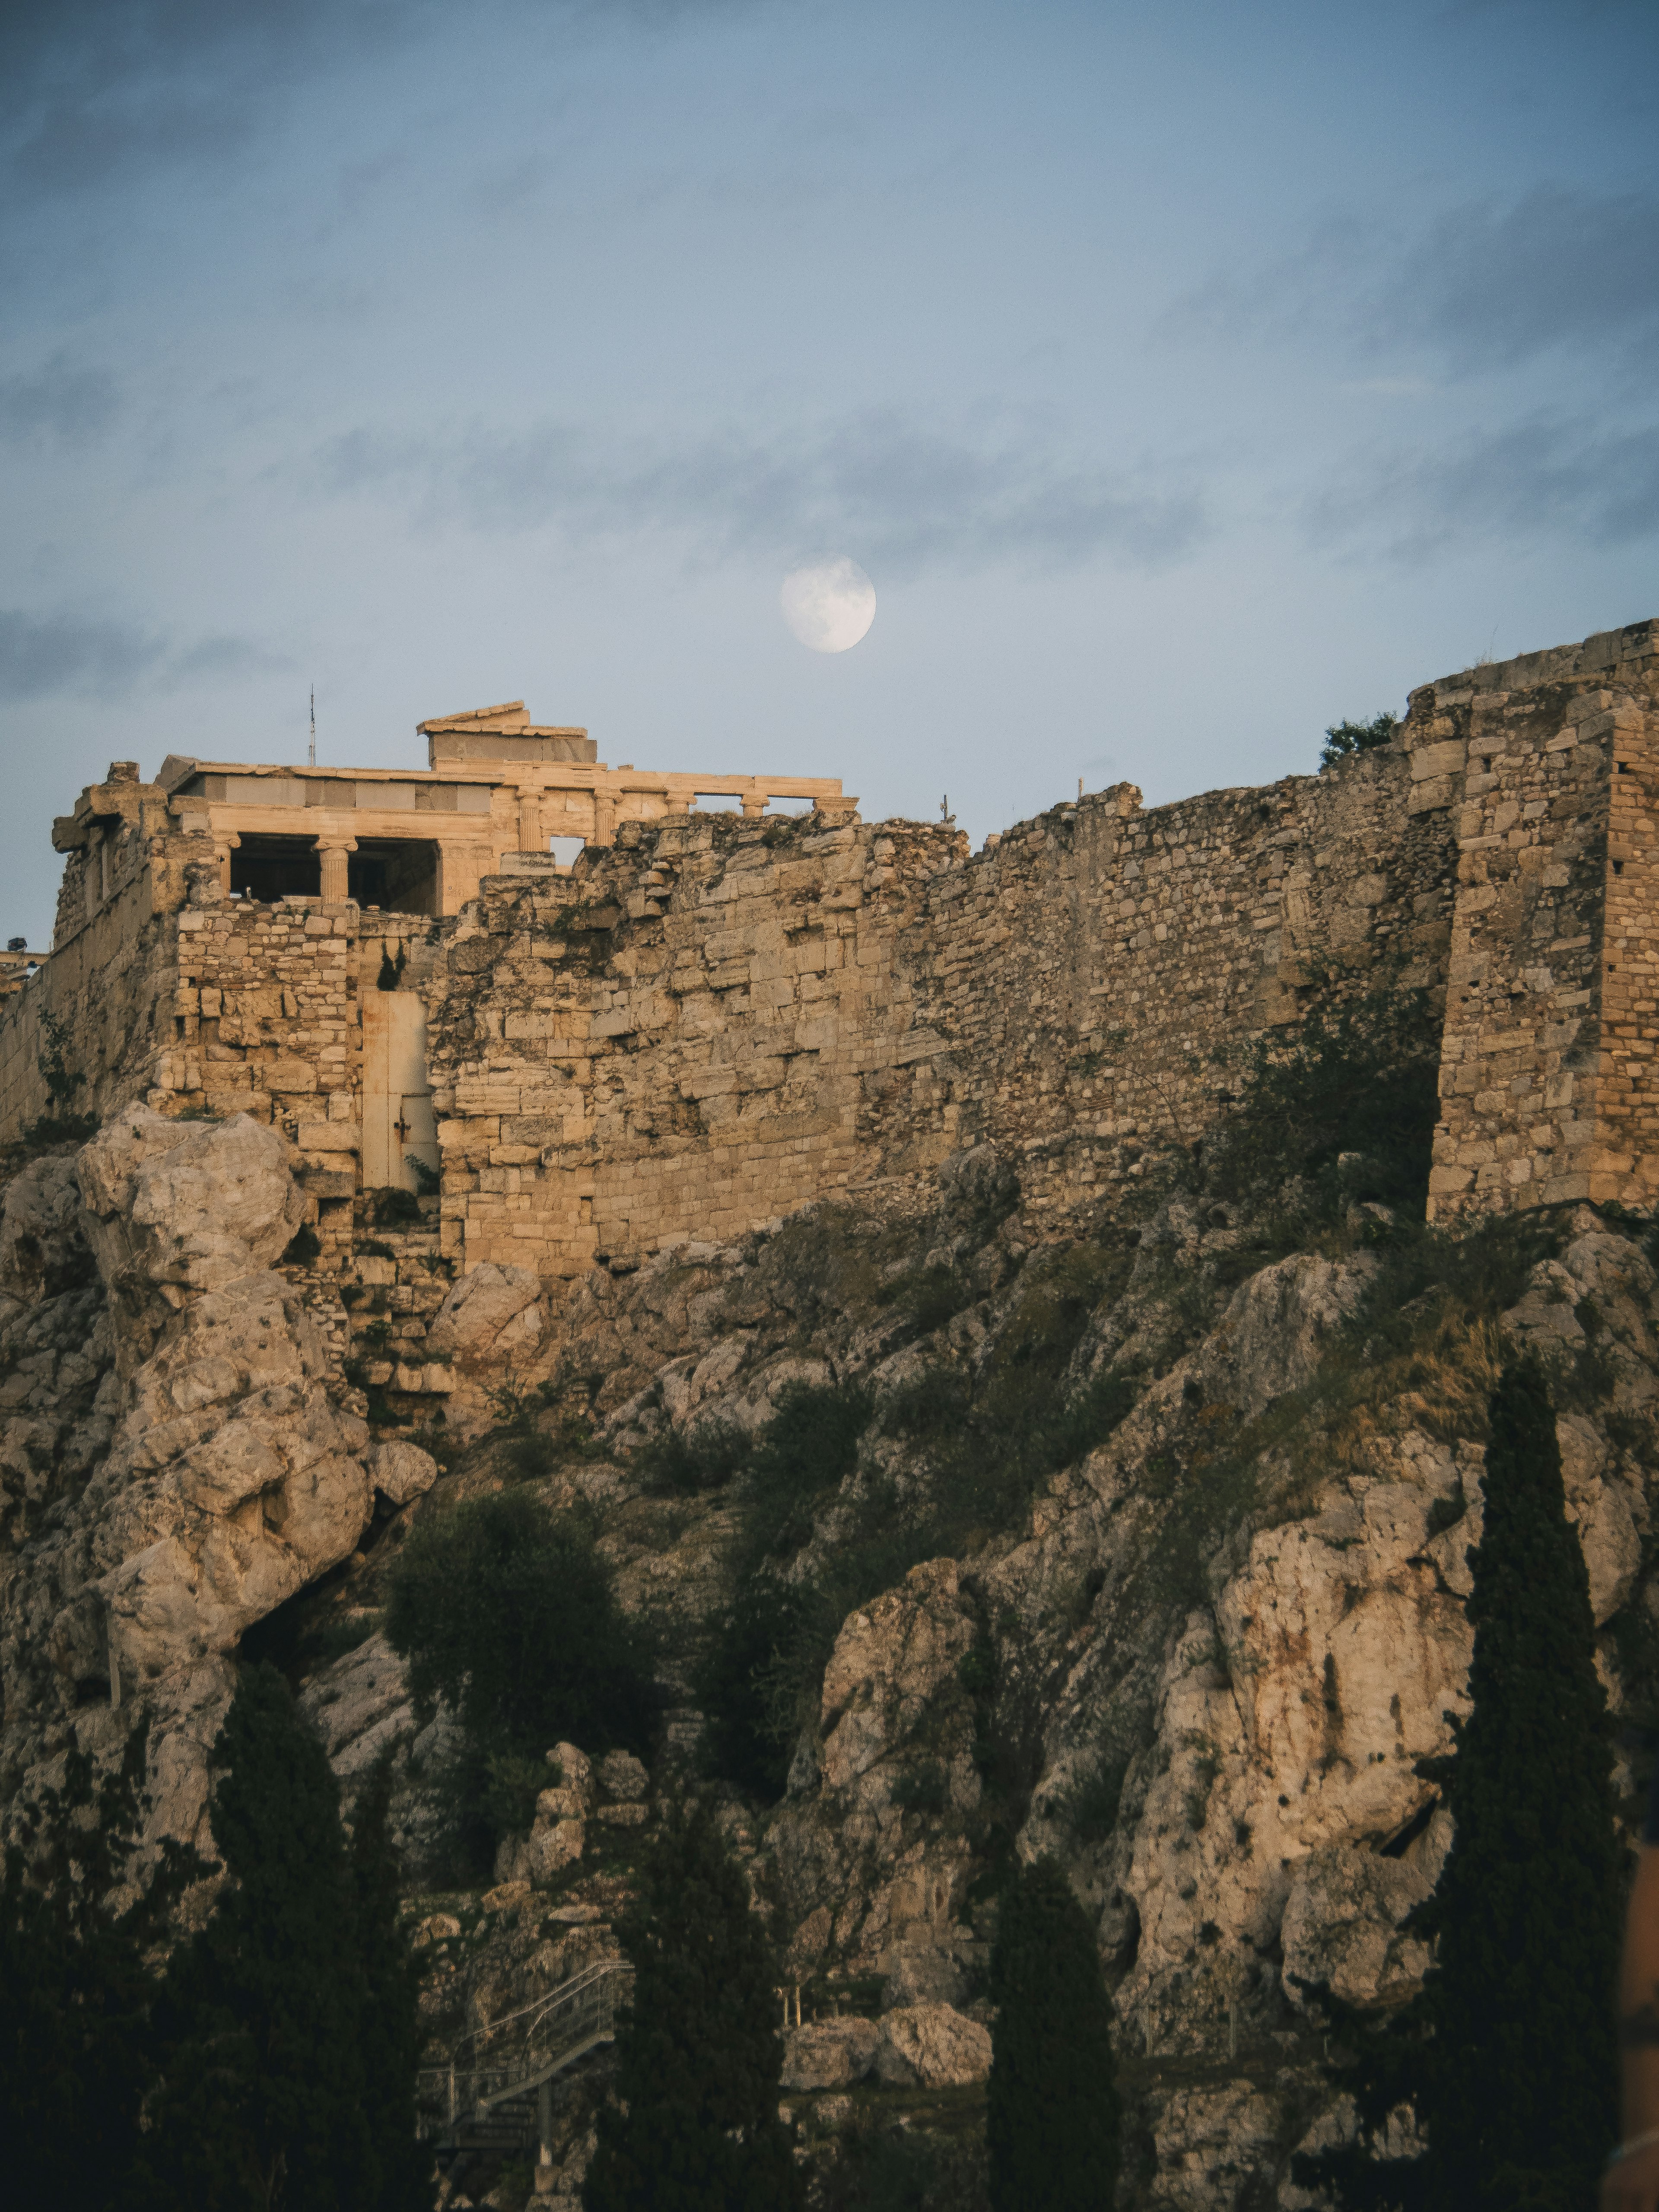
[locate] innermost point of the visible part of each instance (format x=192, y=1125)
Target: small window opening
x=567, y=851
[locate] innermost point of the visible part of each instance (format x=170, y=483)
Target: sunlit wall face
x=1183, y=378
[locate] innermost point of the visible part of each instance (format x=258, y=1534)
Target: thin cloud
x=1487, y=284
x=908, y=496
x=1534, y=482
x=92, y=92
x=43, y=655
x=58, y=402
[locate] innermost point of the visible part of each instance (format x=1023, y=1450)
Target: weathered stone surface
x=1341, y=1924
x=493, y=1312
x=192, y=1205
x=400, y=1471
x=622, y=1776
x=888, y=1662
x=932, y=2046
x=829, y=2054
x=43, y=1245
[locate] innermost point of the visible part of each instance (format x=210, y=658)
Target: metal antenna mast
x=313, y=726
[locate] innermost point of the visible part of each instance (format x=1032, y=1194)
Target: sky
x=1185, y=379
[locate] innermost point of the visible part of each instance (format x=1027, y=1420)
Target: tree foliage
x=1052, y=2111
x=1361, y=1078
x=698, y=2057
x=75, y=1999
x=1506, y=2058
x=1344, y=738
x=507, y=1613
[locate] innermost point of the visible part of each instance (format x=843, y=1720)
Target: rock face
x=930, y=2047
x=217, y=1472
x=1194, y=1654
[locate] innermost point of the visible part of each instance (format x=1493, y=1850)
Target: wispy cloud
x=93, y=91
x=1487, y=284
x=1533, y=482
x=43, y=655
x=908, y=496
x=58, y=401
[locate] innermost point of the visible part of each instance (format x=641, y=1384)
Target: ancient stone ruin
x=711, y=1018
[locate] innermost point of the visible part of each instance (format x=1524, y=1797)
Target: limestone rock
x=43, y=1245
x=1341, y=1923
x=359, y=1706
x=829, y=2054
x=492, y=1313
x=400, y=1471
x=888, y=1662
x=194, y=1204
x=622, y=1776
x=932, y=2046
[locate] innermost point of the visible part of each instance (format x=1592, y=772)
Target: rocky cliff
x=967, y=1528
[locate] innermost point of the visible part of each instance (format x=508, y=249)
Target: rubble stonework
x=711, y=1020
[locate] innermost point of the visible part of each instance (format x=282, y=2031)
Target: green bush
x=702, y=1455
x=508, y=1613
x=1344, y=738
x=1361, y=1078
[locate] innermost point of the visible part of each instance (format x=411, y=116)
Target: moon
x=829, y=605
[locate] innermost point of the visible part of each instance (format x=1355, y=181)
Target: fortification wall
x=1095, y=973
x=721, y=1018
x=1548, y=1085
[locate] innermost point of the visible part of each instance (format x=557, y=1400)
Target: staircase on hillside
x=497, y=2093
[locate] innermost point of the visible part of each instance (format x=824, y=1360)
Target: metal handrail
x=582, y=2012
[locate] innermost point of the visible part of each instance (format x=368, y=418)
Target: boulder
x=492, y=1313
x=192, y=1204
x=400, y=1471
x=829, y=2054
x=621, y=1778
x=890, y=1659
x=932, y=2046
x=1342, y=1922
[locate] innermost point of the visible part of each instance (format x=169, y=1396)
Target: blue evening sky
x=1185, y=378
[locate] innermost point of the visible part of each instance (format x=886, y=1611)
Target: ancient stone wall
x=1547, y=1080
x=720, y=1018
x=1092, y=976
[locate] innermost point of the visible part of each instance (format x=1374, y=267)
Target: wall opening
x=399, y=875
x=567, y=851
x=272, y=868
x=399, y=1128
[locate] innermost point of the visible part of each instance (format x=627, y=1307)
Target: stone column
x=223, y=845
x=531, y=839
x=604, y=819
x=334, y=854
x=754, y=802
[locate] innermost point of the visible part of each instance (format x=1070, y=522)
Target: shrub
x=701, y=1455
x=392, y=1207
x=1360, y=1078
x=1344, y=738
x=508, y=1613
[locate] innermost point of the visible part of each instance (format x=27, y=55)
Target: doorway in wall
x=399, y=1126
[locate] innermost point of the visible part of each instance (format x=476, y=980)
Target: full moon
x=828, y=607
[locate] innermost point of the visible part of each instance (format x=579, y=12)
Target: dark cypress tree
x=400, y=2179
x=699, y=2056
x=75, y=1998
x=1508, y=2057
x=1052, y=2116
x=264, y=2080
